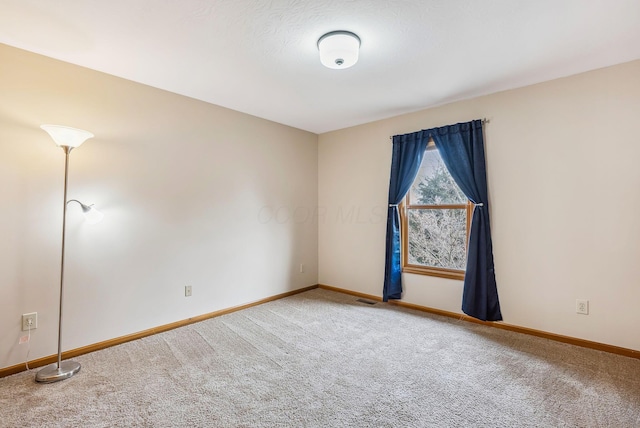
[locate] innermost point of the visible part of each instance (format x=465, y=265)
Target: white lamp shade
x=339, y=49
x=66, y=136
x=92, y=215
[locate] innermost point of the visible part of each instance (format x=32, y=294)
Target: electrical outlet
x=301, y=267
x=187, y=291
x=29, y=321
x=582, y=307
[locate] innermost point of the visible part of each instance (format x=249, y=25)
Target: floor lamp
x=67, y=139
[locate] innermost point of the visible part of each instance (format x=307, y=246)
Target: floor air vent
x=368, y=302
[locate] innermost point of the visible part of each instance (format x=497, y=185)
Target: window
x=435, y=221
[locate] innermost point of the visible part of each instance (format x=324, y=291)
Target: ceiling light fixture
x=339, y=49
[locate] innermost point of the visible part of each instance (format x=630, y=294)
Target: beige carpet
x=322, y=359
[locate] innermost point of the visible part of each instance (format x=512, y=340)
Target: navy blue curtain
x=461, y=147
x=408, y=151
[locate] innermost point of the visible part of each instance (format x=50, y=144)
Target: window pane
x=437, y=237
x=434, y=185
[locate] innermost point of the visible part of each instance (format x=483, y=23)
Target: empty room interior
x=259, y=258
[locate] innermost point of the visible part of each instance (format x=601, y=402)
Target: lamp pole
x=60, y=371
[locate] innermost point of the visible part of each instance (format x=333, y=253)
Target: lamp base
x=52, y=373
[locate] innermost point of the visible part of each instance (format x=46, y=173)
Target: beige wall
x=193, y=194
x=564, y=188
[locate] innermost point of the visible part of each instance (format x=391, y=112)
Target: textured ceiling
x=260, y=56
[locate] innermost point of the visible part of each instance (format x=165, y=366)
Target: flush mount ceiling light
x=339, y=49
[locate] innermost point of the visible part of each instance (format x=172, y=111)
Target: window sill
x=431, y=271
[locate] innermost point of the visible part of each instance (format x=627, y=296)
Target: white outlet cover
x=582, y=307
x=25, y=317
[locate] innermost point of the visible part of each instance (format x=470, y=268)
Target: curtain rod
x=484, y=120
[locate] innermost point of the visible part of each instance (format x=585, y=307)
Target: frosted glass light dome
x=339, y=49
x=67, y=136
